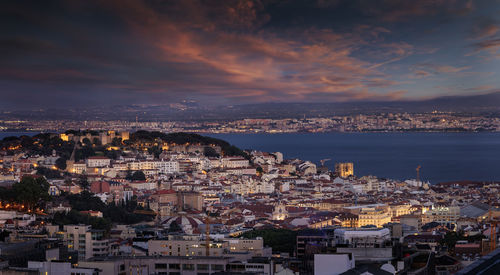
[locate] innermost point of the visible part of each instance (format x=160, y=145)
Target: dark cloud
x=224, y=51
x=485, y=27
x=489, y=44
x=396, y=10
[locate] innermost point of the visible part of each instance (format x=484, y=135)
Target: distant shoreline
x=273, y=132
x=445, y=157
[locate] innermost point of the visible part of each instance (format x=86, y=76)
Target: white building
x=59, y=268
x=332, y=264
x=168, y=167
x=98, y=161
x=369, y=237
x=89, y=243
x=234, y=162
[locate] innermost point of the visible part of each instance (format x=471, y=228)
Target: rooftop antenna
x=493, y=231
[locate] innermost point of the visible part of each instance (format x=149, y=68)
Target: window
x=160, y=266
x=202, y=266
x=174, y=266
x=122, y=267
x=217, y=267
x=187, y=266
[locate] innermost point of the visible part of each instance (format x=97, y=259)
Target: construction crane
x=493, y=231
x=418, y=173
x=323, y=162
x=207, y=235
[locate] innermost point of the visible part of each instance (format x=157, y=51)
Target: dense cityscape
x=384, y=122
x=107, y=202
x=250, y=137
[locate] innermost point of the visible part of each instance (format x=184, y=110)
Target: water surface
x=443, y=156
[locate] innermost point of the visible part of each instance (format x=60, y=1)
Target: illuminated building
x=442, y=215
x=373, y=216
x=344, y=169
x=64, y=137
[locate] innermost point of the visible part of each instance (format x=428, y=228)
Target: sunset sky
x=80, y=53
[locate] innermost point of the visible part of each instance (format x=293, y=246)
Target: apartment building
x=442, y=214
x=194, y=245
x=185, y=245
x=373, y=216
x=234, y=162
x=88, y=242
x=98, y=161
x=171, y=265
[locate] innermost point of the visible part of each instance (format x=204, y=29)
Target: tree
x=75, y=217
x=7, y=195
x=155, y=150
x=282, y=240
x=61, y=163
x=87, y=142
x=85, y=201
x=259, y=170
x=129, y=175
x=84, y=153
x=137, y=175
x=97, y=142
x=4, y=234
x=184, y=138
x=32, y=192
x=210, y=152
x=84, y=183
x=450, y=239
x=48, y=173
x=116, y=141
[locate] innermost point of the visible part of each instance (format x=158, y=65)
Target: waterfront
x=443, y=156
x=16, y=134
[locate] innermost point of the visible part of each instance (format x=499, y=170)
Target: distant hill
x=485, y=103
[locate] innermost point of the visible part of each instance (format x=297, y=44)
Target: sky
x=113, y=52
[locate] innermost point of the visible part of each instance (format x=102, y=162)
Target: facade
x=87, y=242
x=411, y=220
x=234, y=162
x=368, y=237
x=344, y=169
x=373, y=216
x=185, y=246
x=59, y=268
x=323, y=263
x=190, y=200
x=157, y=265
x=168, y=167
x=194, y=245
x=442, y=214
x=97, y=161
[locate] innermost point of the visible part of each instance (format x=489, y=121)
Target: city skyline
x=85, y=53
x=257, y=137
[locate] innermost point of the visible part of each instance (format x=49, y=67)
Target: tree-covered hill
x=185, y=138
x=44, y=144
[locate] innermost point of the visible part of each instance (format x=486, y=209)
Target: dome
x=187, y=223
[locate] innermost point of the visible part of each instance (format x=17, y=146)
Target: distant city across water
x=442, y=156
